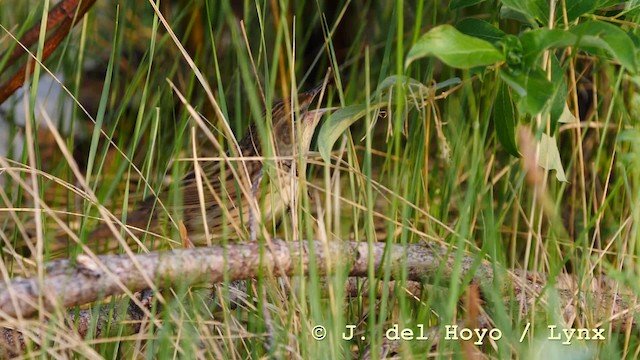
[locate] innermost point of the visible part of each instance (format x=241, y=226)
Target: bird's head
x=292, y=132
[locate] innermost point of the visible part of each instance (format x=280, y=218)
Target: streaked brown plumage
x=226, y=204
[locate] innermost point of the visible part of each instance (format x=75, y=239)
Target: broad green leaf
x=539, y=10
x=459, y=4
x=504, y=117
x=337, y=123
x=535, y=42
x=533, y=89
x=549, y=157
x=609, y=38
x=454, y=49
x=514, y=14
x=531, y=9
x=608, y=3
x=560, y=92
x=567, y=116
x=480, y=29
x=634, y=37
x=576, y=9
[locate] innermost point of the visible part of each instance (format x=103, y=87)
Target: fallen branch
x=89, y=279
x=67, y=284
x=62, y=18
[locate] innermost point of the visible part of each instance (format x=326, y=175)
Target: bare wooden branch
x=62, y=18
x=89, y=279
x=70, y=284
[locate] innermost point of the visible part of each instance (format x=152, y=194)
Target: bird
x=228, y=211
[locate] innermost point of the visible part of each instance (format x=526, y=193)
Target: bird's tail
x=103, y=239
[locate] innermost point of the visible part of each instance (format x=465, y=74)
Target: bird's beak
x=308, y=96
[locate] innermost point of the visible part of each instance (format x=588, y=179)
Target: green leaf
x=535, y=42
x=459, y=4
x=480, y=29
x=567, y=116
x=504, y=117
x=532, y=9
x=538, y=9
x=449, y=82
x=514, y=14
x=591, y=34
x=512, y=47
x=549, y=158
x=406, y=81
x=602, y=4
x=575, y=9
x=337, y=123
x=412, y=86
x=560, y=92
x=454, y=49
x=610, y=38
x=533, y=89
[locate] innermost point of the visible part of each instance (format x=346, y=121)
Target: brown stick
x=69, y=285
x=62, y=17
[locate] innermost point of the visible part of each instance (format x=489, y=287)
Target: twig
x=61, y=18
x=87, y=281
x=73, y=285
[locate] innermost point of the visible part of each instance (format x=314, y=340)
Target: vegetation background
x=504, y=130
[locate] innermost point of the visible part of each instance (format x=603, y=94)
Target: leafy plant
x=529, y=83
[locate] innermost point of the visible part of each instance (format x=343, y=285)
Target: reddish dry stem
x=61, y=18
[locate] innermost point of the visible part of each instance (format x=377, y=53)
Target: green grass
x=431, y=172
